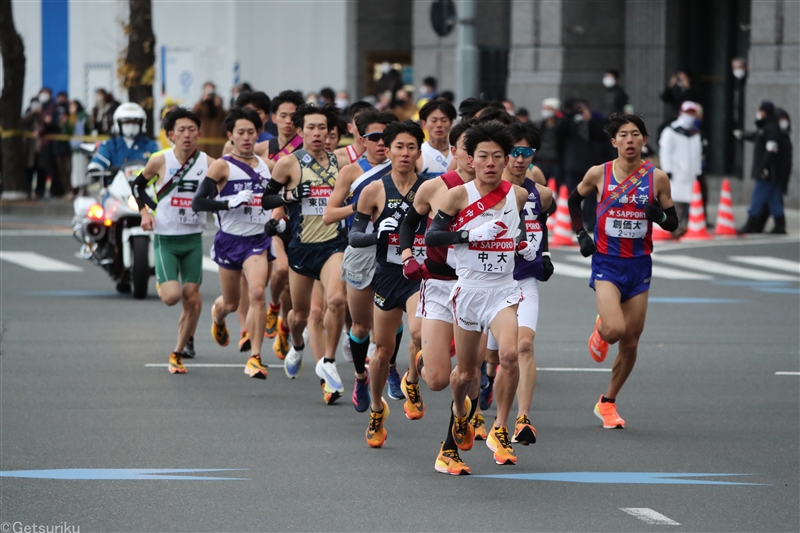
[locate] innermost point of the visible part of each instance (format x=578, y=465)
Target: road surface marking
x=722, y=269
x=787, y=373
x=38, y=262
x=775, y=263
x=658, y=271
x=645, y=514
x=209, y=265
x=35, y=233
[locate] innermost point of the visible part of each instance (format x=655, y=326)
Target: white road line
x=35, y=233
x=209, y=265
x=775, y=263
x=38, y=262
x=562, y=269
x=645, y=514
x=658, y=271
x=787, y=373
x=208, y=365
x=722, y=269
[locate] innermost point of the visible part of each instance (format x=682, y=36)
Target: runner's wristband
x=439, y=233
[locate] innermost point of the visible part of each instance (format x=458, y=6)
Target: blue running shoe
x=293, y=364
x=395, y=390
x=361, y=397
x=487, y=395
x=484, y=376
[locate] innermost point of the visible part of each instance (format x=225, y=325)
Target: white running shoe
x=346, y=351
x=293, y=364
x=328, y=372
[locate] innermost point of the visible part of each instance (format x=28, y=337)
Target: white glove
x=388, y=225
x=738, y=134
x=281, y=227
x=242, y=197
x=485, y=232
x=526, y=251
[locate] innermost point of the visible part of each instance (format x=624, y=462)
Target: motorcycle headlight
x=132, y=204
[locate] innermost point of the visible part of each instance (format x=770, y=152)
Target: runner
x=358, y=264
x=533, y=266
x=631, y=195
x=481, y=220
x=335, y=135
x=436, y=117
x=240, y=245
x=386, y=202
x=316, y=249
x=178, y=244
x=353, y=152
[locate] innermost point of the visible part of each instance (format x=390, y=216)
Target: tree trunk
x=13, y=143
x=141, y=57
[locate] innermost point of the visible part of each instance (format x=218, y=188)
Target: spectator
x=784, y=159
x=428, y=90
x=384, y=100
x=680, y=149
x=212, y=115
x=30, y=124
x=102, y=118
x=579, y=132
x=390, y=80
x=48, y=125
x=767, y=160
x=548, y=157
x=260, y=103
x=448, y=95
x=76, y=125
x=402, y=106
x=616, y=98
x=236, y=91
x=522, y=115
x=62, y=149
x=342, y=101
x=677, y=92
x=739, y=69
x=509, y=105
x=326, y=96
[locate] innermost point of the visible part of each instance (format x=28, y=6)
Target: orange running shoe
x=524, y=432
x=176, y=365
x=281, y=344
x=598, y=348
x=479, y=425
x=607, y=412
x=219, y=331
x=462, y=431
x=448, y=462
x=244, y=342
x=254, y=368
x=376, y=433
x=271, y=327
x=499, y=443
x=413, y=407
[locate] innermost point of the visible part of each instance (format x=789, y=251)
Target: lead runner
x=631, y=195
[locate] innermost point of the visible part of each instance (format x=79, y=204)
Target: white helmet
x=130, y=112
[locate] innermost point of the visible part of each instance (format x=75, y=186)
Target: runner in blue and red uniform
x=631, y=195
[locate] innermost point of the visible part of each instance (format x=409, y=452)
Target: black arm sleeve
x=408, y=228
x=522, y=234
x=545, y=246
x=140, y=193
x=671, y=222
x=204, y=197
x=359, y=238
x=272, y=198
x=574, y=202
x=439, y=233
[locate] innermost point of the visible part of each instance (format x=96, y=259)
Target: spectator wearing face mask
x=680, y=149
x=48, y=125
x=548, y=157
x=212, y=115
x=615, y=98
x=768, y=161
x=679, y=89
x=30, y=123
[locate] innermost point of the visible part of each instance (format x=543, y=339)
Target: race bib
x=533, y=234
x=626, y=228
x=491, y=256
x=395, y=255
x=316, y=203
x=251, y=213
x=185, y=213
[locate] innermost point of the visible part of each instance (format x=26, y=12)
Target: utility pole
x=466, y=51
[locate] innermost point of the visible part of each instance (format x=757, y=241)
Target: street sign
x=443, y=17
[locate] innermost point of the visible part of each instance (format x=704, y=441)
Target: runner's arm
x=336, y=209
x=586, y=187
x=139, y=185
x=359, y=238
x=663, y=212
x=439, y=233
x=417, y=213
x=204, y=197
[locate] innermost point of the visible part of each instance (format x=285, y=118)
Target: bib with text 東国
x=316, y=203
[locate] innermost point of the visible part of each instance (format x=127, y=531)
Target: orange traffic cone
x=562, y=234
x=551, y=184
x=725, y=223
x=551, y=220
x=660, y=234
x=697, y=220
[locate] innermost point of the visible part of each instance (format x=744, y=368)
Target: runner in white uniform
x=178, y=244
x=481, y=220
x=436, y=117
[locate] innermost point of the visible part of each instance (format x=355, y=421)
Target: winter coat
x=765, y=162
x=681, y=156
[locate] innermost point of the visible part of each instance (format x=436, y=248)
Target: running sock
x=328, y=360
x=275, y=308
x=397, y=341
x=607, y=400
x=449, y=442
x=474, y=407
x=299, y=348
x=359, y=348
x=284, y=327
x=491, y=380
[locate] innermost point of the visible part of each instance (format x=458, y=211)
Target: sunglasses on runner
x=523, y=151
x=375, y=136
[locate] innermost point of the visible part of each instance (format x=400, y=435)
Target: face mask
x=784, y=124
x=342, y=103
x=686, y=122
x=386, y=67
x=739, y=73
x=44, y=98
x=547, y=113
x=609, y=82
x=130, y=130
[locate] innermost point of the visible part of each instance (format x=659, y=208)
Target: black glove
x=653, y=213
x=274, y=226
x=301, y=191
x=547, y=266
x=586, y=243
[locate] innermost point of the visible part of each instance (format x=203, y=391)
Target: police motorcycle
x=108, y=225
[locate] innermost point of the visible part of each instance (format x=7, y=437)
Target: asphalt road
x=704, y=398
